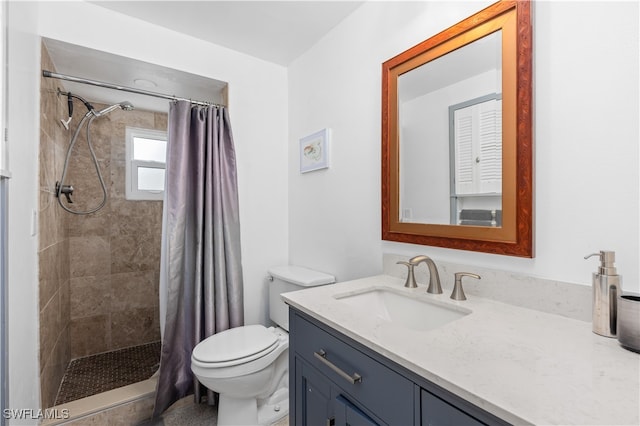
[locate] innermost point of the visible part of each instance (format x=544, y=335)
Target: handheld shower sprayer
x=66, y=190
x=125, y=106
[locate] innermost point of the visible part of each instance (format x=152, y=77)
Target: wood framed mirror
x=457, y=148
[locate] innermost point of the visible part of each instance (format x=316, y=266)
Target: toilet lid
x=236, y=345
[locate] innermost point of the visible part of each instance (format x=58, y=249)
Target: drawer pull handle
x=322, y=356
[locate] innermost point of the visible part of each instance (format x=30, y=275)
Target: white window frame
x=132, y=192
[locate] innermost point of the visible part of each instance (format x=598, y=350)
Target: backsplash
x=554, y=297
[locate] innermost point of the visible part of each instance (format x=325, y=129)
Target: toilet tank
x=291, y=278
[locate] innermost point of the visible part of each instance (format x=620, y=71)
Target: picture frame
x=314, y=151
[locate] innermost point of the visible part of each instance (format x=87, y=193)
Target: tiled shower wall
x=115, y=252
x=53, y=248
x=99, y=272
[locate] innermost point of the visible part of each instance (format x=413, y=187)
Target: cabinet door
x=348, y=414
x=314, y=407
x=477, y=140
x=436, y=412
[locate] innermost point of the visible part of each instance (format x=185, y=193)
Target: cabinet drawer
x=370, y=383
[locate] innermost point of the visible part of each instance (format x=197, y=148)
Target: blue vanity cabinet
x=336, y=381
x=314, y=395
x=351, y=384
x=321, y=402
x=347, y=413
x=436, y=412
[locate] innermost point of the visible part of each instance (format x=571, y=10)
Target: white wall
x=23, y=126
x=586, y=139
x=258, y=110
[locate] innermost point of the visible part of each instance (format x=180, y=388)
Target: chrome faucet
x=434, y=277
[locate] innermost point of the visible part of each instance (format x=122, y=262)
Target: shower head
x=125, y=106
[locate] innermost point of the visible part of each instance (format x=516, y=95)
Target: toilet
x=249, y=365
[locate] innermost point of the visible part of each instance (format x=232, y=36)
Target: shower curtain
x=201, y=267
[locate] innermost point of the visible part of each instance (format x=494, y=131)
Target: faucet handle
x=66, y=190
x=411, y=279
x=458, y=292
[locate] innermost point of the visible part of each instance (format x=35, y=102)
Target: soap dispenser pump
x=606, y=287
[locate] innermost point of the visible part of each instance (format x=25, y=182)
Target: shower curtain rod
x=124, y=88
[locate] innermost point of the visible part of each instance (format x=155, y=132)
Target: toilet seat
x=235, y=346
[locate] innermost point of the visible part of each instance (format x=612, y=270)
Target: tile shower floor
x=99, y=373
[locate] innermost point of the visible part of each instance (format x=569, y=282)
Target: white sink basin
x=399, y=308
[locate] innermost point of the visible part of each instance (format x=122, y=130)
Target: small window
x=146, y=162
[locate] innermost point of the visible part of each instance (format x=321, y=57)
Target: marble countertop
x=524, y=366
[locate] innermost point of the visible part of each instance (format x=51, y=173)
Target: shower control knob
x=67, y=190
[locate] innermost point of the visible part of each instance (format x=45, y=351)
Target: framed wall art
x=314, y=151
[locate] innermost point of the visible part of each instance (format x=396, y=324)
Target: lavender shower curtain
x=201, y=269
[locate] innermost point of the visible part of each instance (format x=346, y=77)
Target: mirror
x=463, y=157
x=456, y=140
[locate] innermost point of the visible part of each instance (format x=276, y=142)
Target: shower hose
x=91, y=116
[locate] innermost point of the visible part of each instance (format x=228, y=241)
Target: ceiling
x=275, y=31
x=78, y=61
